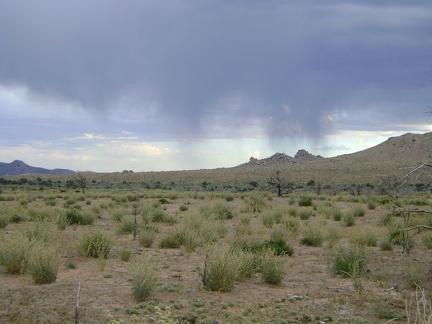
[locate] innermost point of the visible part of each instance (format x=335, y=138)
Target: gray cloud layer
x=287, y=64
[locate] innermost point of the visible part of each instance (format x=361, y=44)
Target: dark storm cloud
x=296, y=61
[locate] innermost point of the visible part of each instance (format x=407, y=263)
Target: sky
x=150, y=85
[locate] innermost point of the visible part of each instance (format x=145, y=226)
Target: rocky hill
x=281, y=159
x=18, y=167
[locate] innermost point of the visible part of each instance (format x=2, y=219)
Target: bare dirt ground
x=309, y=293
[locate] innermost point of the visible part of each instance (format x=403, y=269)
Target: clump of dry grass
x=43, y=263
x=419, y=308
x=95, y=244
x=13, y=251
x=221, y=269
x=22, y=253
x=144, y=279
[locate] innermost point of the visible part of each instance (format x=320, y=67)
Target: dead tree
x=276, y=181
x=81, y=180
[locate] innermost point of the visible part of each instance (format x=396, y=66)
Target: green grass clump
x=347, y=260
x=337, y=214
x=126, y=226
x=305, y=201
x=292, y=211
x=125, y=255
x=171, y=241
x=364, y=238
x=144, y=279
x=183, y=207
x=4, y=221
x=305, y=214
x=75, y=217
x=272, y=268
x=268, y=219
x=62, y=222
x=218, y=211
x=386, y=245
x=312, y=238
x=348, y=219
x=358, y=211
x=95, y=244
x=229, y=197
x=427, y=241
x=278, y=246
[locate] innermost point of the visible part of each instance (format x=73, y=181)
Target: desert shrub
x=385, y=310
x=279, y=233
x=333, y=236
x=386, y=220
x=17, y=217
x=146, y=238
x=325, y=211
x=71, y=265
x=364, y=238
x=62, y=222
x=250, y=263
x=158, y=215
x=183, y=208
x=337, y=214
x=348, y=219
x=291, y=224
x=42, y=263
x=278, y=246
x=75, y=217
x=125, y=255
x=272, y=268
x=371, y=204
x=95, y=244
x=305, y=201
x=349, y=259
x=172, y=240
x=4, y=221
x=255, y=202
x=386, y=245
x=291, y=200
x=40, y=231
x=400, y=237
x=13, y=251
x=39, y=214
x=268, y=219
x=245, y=220
x=221, y=269
x=217, y=211
x=144, y=279
x=358, y=211
x=117, y=215
x=427, y=241
x=229, y=197
x=50, y=201
x=126, y=226
x=292, y=211
x=305, y=214
x=313, y=237
x=164, y=201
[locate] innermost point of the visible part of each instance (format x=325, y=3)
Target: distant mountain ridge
x=18, y=167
